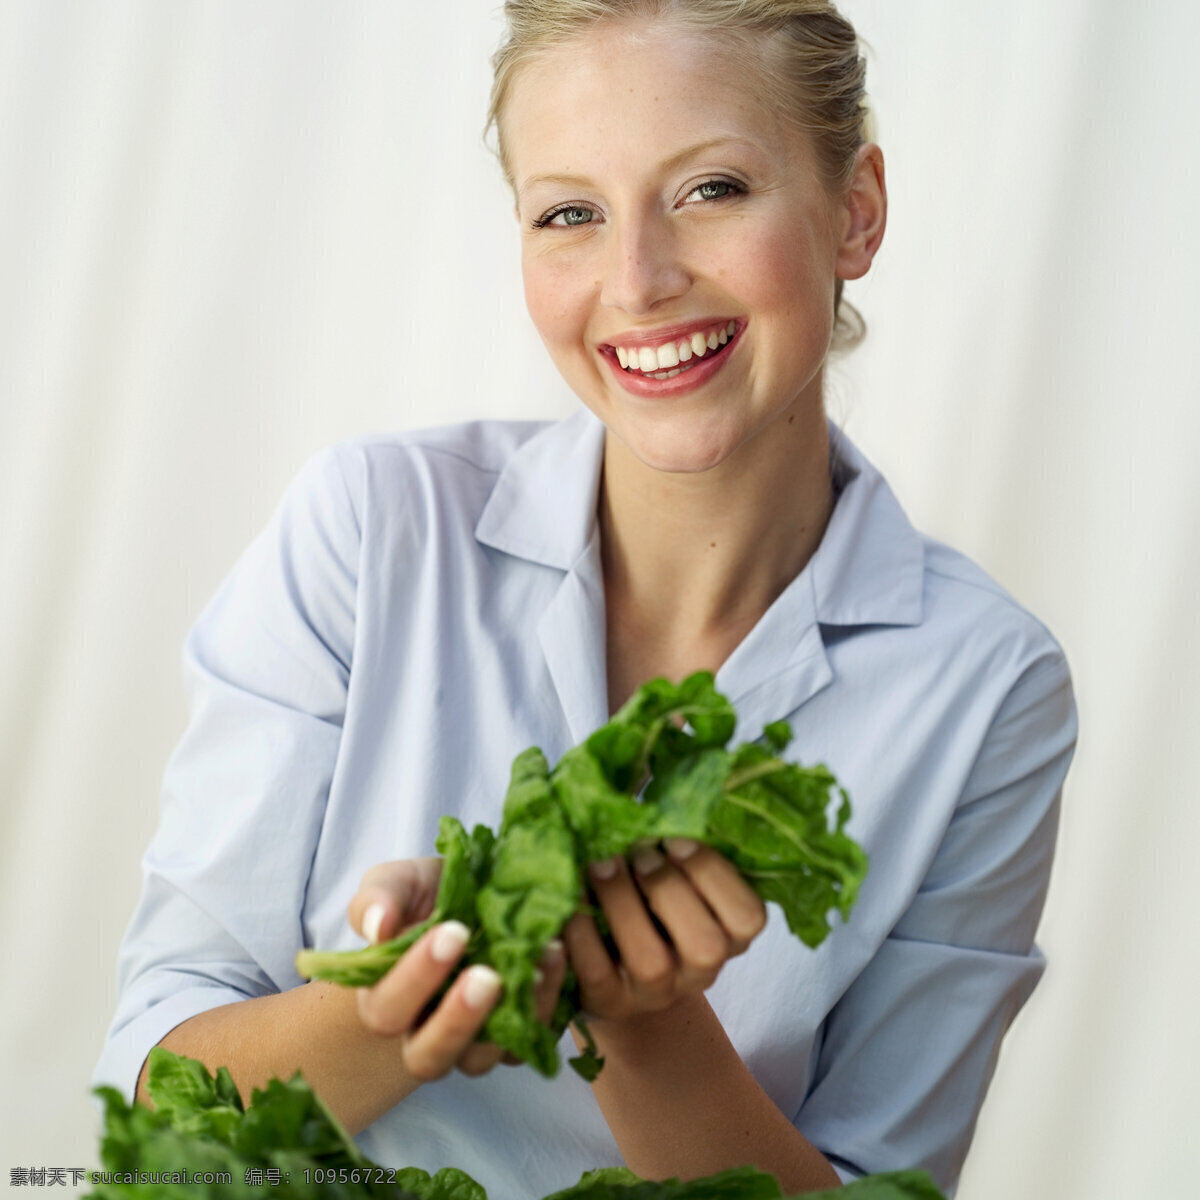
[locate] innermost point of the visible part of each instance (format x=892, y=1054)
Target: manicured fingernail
x=372, y=919
x=482, y=986
x=605, y=869
x=647, y=861
x=449, y=941
x=680, y=848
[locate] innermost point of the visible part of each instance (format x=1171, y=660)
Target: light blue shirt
x=424, y=606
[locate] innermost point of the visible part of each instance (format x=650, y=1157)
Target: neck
x=693, y=560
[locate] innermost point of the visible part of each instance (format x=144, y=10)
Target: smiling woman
x=693, y=186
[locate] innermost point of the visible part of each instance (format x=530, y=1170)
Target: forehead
x=633, y=92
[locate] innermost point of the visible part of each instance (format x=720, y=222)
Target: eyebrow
x=669, y=164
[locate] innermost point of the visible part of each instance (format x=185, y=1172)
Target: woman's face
x=679, y=249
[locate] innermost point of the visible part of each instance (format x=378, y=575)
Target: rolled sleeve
x=908, y=1051
x=224, y=879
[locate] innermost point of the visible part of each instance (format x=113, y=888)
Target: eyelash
x=735, y=189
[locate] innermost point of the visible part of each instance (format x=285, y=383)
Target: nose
x=644, y=266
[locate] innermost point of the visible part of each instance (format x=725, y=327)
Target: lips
x=672, y=361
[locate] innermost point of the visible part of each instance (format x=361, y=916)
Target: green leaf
x=892, y=1185
x=448, y=1184
x=605, y=819
x=466, y=860
x=587, y=1063
x=137, y=1139
x=285, y=1126
x=291, y=1116
x=616, y=1183
x=531, y=891
x=778, y=735
x=190, y=1098
x=658, y=769
x=773, y=824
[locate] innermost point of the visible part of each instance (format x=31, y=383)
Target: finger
x=732, y=901
x=394, y=895
x=601, y=985
x=700, y=942
x=553, y=969
x=396, y=1002
x=648, y=961
x=443, y=1041
x=480, y=1057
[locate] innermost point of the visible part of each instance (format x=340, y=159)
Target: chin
x=679, y=452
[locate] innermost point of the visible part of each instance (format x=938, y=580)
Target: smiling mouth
x=674, y=357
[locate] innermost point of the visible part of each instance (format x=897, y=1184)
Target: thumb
x=394, y=895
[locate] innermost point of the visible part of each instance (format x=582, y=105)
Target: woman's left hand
x=709, y=912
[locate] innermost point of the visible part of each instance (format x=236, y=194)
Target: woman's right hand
x=394, y=896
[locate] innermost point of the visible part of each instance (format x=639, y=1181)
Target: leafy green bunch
x=658, y=769
x=198, y=1126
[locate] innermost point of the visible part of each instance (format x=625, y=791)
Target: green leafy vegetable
x=742, y=1183
x=618, y=1183
x=199, y=1125
x=659, y=769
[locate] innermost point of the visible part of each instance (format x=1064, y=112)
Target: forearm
x=316, y=1029
x=680, y=1102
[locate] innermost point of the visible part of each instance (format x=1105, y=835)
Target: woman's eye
x=576, y=214
x=713, y=189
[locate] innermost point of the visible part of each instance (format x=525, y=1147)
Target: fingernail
x=482, y=986
x=680, y=848
x=372, y=919
x=647, y=861
x=449, y=941
x=605, y=869
x=552, y=953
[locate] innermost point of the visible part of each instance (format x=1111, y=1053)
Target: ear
x=864, y=214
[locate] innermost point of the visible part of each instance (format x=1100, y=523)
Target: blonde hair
x=813, y=74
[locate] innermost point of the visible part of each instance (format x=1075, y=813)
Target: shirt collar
x=870, y=566
x=543, y=507
x=868, y=569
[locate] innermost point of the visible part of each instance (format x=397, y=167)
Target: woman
x=693, y=187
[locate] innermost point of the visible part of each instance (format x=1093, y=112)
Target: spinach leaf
x=191, y=1099
x=618, y=1183
x=448, y=1184
x=658, y=769
x=286, y=1127
x=530, y=892
x=742, y=1183
x=465, y=864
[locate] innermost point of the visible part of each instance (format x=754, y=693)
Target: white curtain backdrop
x=232, y=233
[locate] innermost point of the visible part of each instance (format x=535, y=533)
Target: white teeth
x=668, y=356
x=658, y=361
x=667, y=374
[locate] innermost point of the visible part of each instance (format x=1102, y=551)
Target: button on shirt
x=422, y=607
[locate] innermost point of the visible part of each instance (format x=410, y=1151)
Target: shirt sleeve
x=267, y=668
x=908, y=1052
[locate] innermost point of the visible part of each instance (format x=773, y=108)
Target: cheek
x=554, y=300
x=783, y=270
